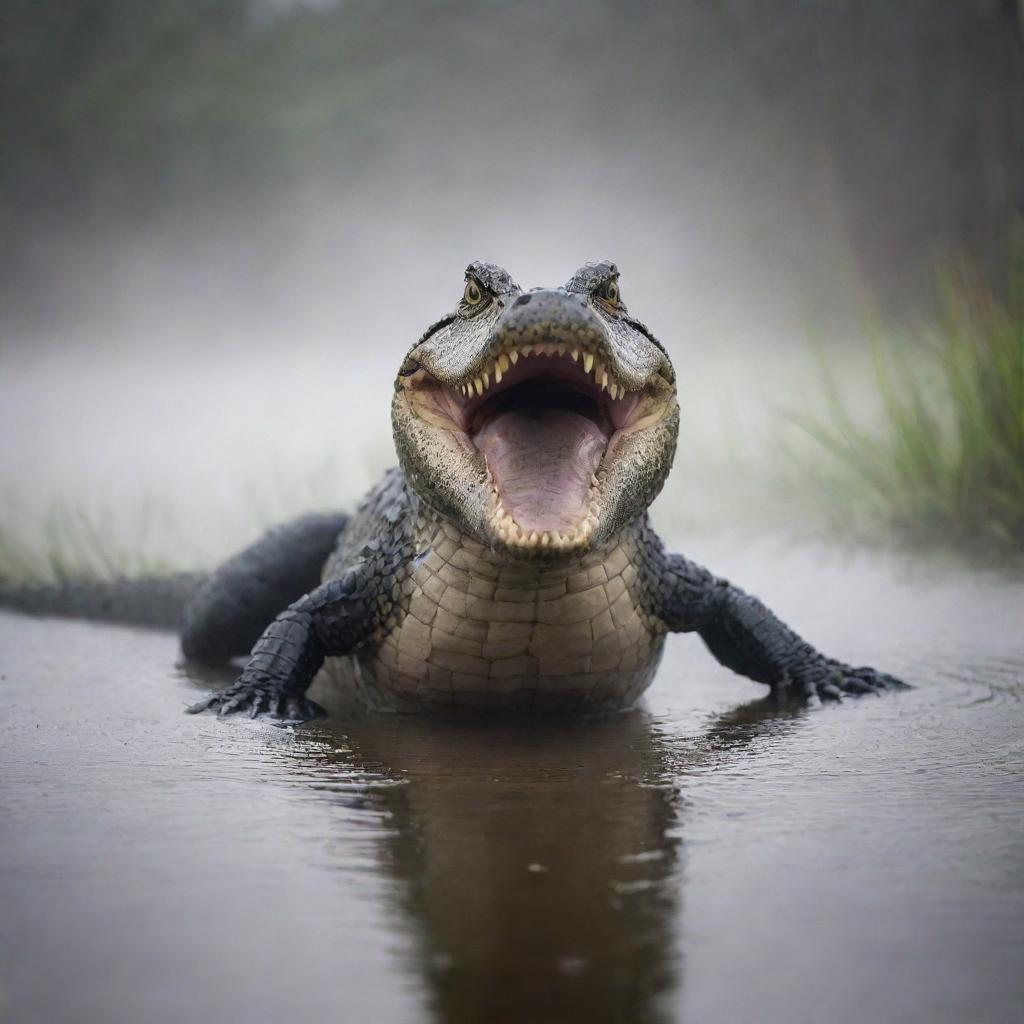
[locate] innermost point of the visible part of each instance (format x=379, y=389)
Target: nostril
x=523, y=300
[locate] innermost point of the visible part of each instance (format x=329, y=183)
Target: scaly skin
x=436, y=595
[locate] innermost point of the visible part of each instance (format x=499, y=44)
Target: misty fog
x=226, y=222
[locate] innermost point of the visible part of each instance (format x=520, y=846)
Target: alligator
x=508, y=562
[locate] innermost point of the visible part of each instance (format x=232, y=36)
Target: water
x=705, y=859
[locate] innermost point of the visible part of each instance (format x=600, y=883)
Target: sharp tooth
x=575, y=354
x=545, y=539
x=560, y=349
x=534, y=537
x=503, y=363
x=478, y=384
x=614, y=389
x=588, y=362
x=487, y=380
x=497, y=373
x=513, y=357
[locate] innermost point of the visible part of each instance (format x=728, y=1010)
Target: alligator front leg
x=334, y=619
x=746, y=637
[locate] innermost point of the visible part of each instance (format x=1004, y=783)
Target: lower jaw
x=526, y=539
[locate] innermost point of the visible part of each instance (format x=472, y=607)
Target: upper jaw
x=494, y=370
x=585, y=341
x=468, y=350
x=574, y=363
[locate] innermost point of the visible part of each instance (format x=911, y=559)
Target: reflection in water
x=538, y=861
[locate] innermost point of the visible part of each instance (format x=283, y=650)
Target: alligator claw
x=865, y=679
x=288, y=709
x=835, y=682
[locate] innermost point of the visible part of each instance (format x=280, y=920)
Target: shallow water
x=703, y=859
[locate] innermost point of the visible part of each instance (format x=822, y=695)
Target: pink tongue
x=542, y=462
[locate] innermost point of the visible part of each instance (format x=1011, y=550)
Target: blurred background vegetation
x=900, y=121
x=224, y=220
x=944, y=461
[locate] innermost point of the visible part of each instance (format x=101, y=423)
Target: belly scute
x=476, y=633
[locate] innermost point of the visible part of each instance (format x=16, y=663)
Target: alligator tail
x=156, y=601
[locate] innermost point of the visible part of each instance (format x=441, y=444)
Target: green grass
x=67, y=543
x=943, y=463
x=66, y=539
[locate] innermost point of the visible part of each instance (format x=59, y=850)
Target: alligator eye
x=609, y=291
x=472, y=295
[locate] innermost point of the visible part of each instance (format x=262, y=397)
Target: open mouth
x=547, y=419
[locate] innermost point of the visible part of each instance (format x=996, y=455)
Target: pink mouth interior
x=542, y=459
x=543, y=432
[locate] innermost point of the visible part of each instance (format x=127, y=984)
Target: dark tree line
x=907, y=114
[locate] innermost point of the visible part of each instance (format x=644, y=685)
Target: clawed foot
x=243, y=698
x=833, y=680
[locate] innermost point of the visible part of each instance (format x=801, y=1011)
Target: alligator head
x=539, y=421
